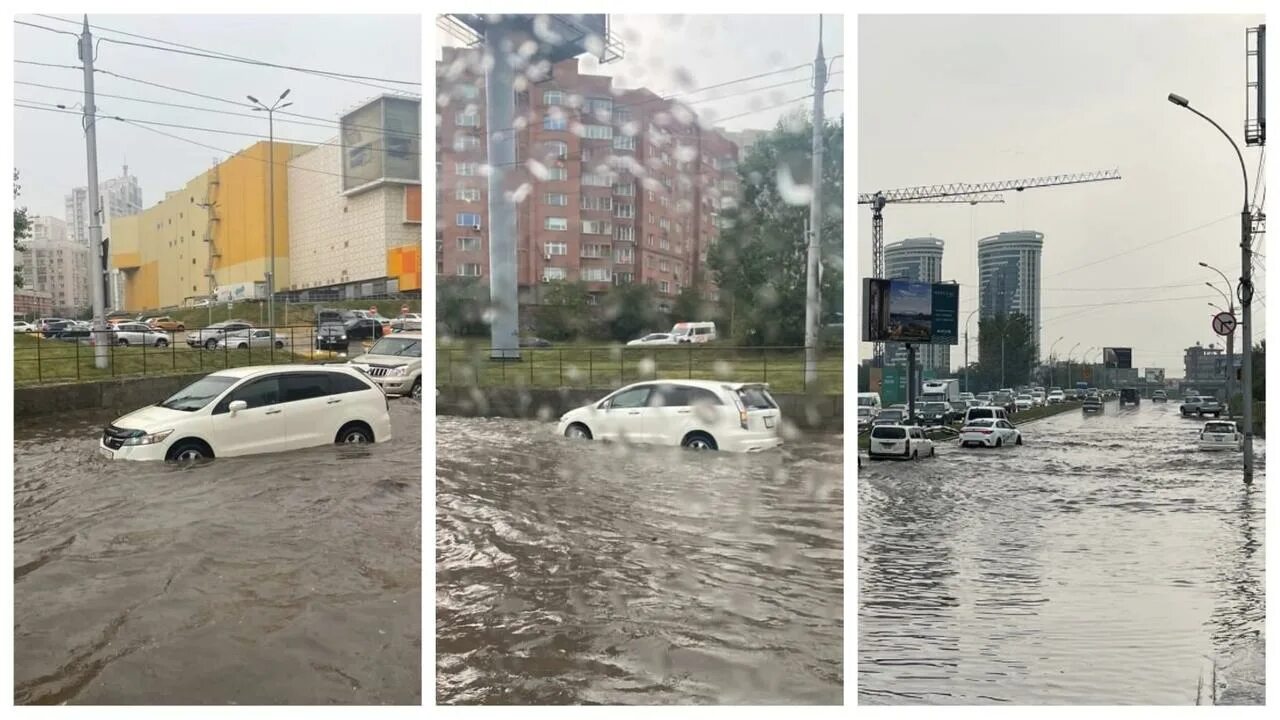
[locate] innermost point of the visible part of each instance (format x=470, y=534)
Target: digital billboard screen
x=909, y=311
x=1120, y=358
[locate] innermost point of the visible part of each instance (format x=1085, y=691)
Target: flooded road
x=277, y=579
x=600, y=573
x=1106, y=561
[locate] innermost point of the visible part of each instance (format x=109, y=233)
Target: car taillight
x=742, y=411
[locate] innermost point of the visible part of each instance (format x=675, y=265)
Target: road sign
x=1224, y=323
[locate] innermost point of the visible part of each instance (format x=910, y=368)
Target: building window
x=651, y=243
x=469, y=269
x=556, y=248
x=468, y=244
x=557, y=173
x=552, y=122
x=467, y=119
x=664, y=243
x=556, y=223
x=554, y=273
x=621, y=115
x=664, y=223
x=597, y=132
x=624, y=211
x=464, y=143
x=599, y=106
x=466, y=169
x=597, y=227
x=628, y=189
x=664, y=265
x=595, y=274
x=624, y=255
x=593, y=250
x=594, y=202
x=468, y=91
x=558, y=199
x=555, y=148
x=624, y=142
x=664, y=287
x=471, y=220
x=466, y=194
x=625, y=233
x=552, y=97
x=597, y=180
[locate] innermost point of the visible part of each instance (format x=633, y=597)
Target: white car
x=990, y=432
x=256, y=338
x=1038, y=398
x=1024, y=402
x=22, y=326
x=696, y=414
x=407, y=321
x=1220, y=435
x=901, y=442
x=1057, y=397
x=138, y=334
x=395, y=364
x=252, y=410
x=654, y=339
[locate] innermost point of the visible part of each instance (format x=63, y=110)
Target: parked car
x=164, y=322
x=890, y=416
x=1220, y=435
x=407, y=321
x=325, y=316
x=1200, y=405
x=22, y=326
x=365, y=329
x=248, y=339
x=395, y=364
x=695, y=414
x=251, y=410
x=902, y=442
x=44, y=323
x=1092, y=405
x=208, y=337
x=1159, y=396
x=989, y=432
x=654, y=339
x=137, y=334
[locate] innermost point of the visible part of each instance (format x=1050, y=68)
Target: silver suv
x=1200, y=405
x=395, y=364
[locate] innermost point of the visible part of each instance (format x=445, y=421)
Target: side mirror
x=237, y=405
x=604, y=405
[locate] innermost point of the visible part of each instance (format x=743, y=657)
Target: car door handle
x=333, y=401
x=634, y=412
x=272, y=412
x=683, y=412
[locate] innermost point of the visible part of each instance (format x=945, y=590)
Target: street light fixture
x=1231, y=309
x=1052, y=369
x=1244, y=292
x=966, y=348
x=271, y=196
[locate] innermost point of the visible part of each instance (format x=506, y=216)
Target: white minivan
x=694, y=332
x=870, y=400
x=251, y=410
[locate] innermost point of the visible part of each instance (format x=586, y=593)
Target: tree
x=460, y=306
x=689, y=306
x=629, y=311
x=759, y=261
x=21, y=229
x=563, y=314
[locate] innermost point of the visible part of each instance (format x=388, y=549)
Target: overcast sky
x=986, y=98
x=672, y=54
x=49, y=147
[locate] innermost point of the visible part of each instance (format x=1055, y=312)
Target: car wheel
x=915, y=454
x=242, y=346
x=699, y=441
x=354, y=434
x=279, y=344
x=1018, y=440
x=999, y=442
x=933, y=452
x=577, y=431
x=416, y=391
x=162, y=343
x=122, y=342
x=188, y=451
x=210, y=344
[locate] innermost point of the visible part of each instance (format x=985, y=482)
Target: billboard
x=908, y=311
x=1120, y=358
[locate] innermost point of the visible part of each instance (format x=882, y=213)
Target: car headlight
x=151, y=439
x=342, y=337
x=399, y=371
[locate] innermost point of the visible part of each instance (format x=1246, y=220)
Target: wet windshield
x=199, y=393
x=406, y=347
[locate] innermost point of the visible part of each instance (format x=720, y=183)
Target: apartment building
x=614, y=185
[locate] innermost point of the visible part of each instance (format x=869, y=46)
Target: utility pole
x=271, y=198
x=95, y=210
x=813, y=302
x=500, y=113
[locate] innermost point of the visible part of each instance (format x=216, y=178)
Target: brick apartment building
x=617, y=185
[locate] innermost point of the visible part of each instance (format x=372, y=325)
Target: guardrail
x=582, y=367
x=69, y=357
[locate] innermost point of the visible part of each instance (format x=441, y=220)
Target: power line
x=1145, y=245
x=217, y=55
x=45, y=27
x=52, y=65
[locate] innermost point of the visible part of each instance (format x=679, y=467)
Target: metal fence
x=39, y=359
x=583, y=367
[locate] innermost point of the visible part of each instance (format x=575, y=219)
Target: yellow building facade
x=210, y=238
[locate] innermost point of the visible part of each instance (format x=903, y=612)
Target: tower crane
x=970, y=193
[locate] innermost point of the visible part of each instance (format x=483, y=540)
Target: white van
x=870, y=400
x=694, y=332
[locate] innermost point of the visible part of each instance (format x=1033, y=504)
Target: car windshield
x=1220, y=428
x=864, y=412
x=199, y=393
x=889, y=433
x=397, y=346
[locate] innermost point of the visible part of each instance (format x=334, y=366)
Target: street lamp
x=1052, y=369
x=966, y=348
x=1069, y=354
x=271, y=196
x=1231, y=309
x=1244, y=292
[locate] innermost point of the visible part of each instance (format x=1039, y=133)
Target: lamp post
x=1244, y=292
x=271, y=196
x=1052, y=369
x=1231, y=309
x=966, y=348
x=1069, y=354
